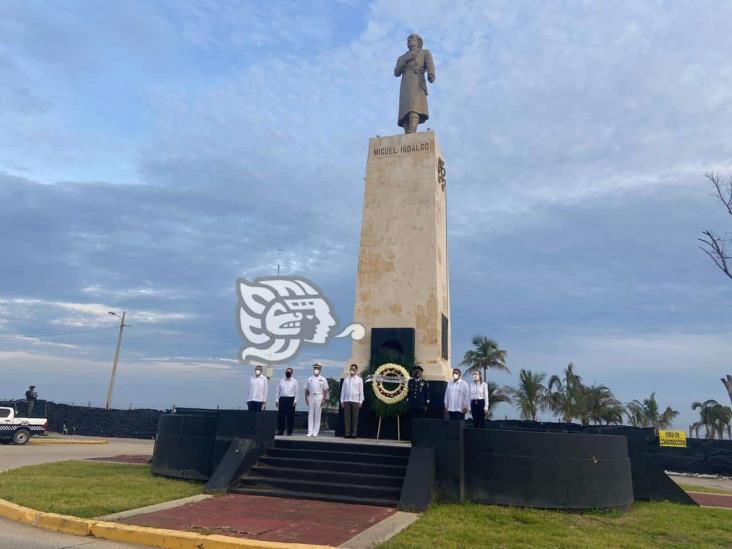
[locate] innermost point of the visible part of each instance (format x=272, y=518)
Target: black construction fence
x=92, y=421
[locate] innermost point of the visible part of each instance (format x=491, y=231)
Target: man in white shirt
x=286, y=400
x=351, y=400
x=258, y=388
x=478, y=400
x=316, y=393
x=457, y=397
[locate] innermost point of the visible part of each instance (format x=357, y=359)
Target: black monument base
x=572, y=471
x=191, y=445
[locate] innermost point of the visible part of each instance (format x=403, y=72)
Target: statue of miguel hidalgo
x=413, y=90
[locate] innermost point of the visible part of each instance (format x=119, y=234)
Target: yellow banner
x=672, y=438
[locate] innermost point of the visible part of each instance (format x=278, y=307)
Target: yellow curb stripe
x=64, y=523
x=141, y=535
x=17, y=513
x=41, y=442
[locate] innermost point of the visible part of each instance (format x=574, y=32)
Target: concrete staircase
x=347, y=472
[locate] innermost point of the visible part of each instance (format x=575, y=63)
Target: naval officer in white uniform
x=316, y=393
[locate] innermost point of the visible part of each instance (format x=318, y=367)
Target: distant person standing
x=457, y=397
x=478, y=400
x=286, y=400
x=30, y=399
x=418, y=394
x=258, y=388
x=316, y=393
x=351, y=401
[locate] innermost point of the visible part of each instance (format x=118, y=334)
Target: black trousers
x=350, y=418
x=456, y=416
x=418, y=413
x=286, y=415
x=254, y=406
x=477, y=408
x=31, y=405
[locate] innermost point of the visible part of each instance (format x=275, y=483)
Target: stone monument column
x=402, y=266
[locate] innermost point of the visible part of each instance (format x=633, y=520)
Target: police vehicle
x=19, y=429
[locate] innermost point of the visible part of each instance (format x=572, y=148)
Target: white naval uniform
x=315, y=391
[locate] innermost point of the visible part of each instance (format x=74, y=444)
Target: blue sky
x=153, y=152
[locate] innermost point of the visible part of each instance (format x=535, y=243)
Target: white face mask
x=455, y=376
x=257, y=373
x=316, y=372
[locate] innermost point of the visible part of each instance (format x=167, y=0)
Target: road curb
x=55, y=441
x=142, y=535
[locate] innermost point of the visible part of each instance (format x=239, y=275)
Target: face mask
x=316, y=372
x=257, y=373
x=288, y=375
x=455, y=376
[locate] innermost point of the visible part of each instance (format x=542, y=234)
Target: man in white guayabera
x=457, y=397
x=351, y=400
x=258, y=388
x=316, y=393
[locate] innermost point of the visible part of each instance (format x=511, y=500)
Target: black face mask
x=288, y=374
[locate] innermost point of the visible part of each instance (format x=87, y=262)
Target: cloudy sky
x=153, y=152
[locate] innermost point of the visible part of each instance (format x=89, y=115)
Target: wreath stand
x=399, y=428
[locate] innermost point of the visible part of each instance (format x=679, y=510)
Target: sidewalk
x=269, y=519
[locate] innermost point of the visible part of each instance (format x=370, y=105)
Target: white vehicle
x=20, y=429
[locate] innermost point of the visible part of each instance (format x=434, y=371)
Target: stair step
x=386, y=449
x=329, y=455
x=319, y=487
x=345, y=477
x=381, y=502
x=334, y=466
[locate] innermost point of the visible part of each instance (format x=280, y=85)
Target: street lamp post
x=122, y=325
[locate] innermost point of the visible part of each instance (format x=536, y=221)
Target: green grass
x=645, y=525
x=89, y=489
x=705, y=489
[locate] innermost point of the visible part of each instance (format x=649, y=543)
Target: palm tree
x=722, y=417
x=613, y=414
x=636, y=414
x=495, y=396
x=705, y=418
x=565, y=394
x=714, y=417
x=645, y=414
x=531, y=395
x=597, y=404
x=485, y=354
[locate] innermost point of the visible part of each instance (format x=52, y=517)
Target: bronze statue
x=413, y=90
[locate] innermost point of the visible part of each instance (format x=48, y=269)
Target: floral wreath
x=393, y=374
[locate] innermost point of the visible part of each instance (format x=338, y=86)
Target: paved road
x=31, y=454
x=20, y=536
x=719, y=483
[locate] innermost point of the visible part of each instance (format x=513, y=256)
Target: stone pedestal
x=402, y=267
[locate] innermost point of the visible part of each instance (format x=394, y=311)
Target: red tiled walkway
x=712, y=500
x=269, y=518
